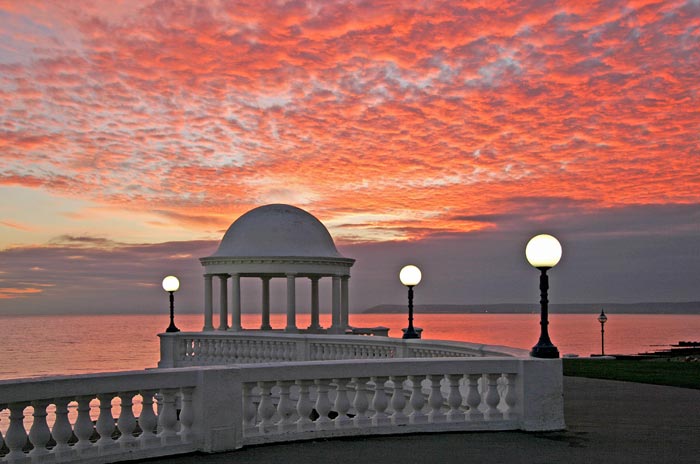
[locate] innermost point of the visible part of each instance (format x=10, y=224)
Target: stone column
x=335, y=312
x=265, y=304
x=291, y=304
x=315, y=325
x=235, y=303
x=208, y=306
x=344, y=302
x=223, y=303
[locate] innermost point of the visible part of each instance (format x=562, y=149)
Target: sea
x=35, y=346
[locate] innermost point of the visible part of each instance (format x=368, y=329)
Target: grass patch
x=658, y=372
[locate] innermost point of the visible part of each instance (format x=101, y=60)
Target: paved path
x=608, y=421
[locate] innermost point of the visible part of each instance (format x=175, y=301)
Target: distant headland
x=688, y=307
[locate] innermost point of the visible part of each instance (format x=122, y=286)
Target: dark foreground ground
x=607, y=422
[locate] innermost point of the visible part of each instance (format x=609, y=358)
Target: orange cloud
x=428, y=112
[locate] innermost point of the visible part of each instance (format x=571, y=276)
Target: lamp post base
x=544, y=351
x=411, y=333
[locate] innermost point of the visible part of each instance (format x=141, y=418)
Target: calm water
x=49, y=345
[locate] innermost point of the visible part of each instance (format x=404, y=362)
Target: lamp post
x=171, y=284
x=410, y=276
x=602, y=319
x=543, y=252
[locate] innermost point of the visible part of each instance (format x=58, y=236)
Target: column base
x=291, y=329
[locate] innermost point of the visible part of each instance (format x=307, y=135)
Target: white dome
x=277, y=230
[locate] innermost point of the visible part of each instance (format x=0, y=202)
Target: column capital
x=291, y=275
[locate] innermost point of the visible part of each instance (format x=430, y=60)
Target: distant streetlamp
x=543, y=252
x=410, y=276
x=602, y=319
x=171, y=284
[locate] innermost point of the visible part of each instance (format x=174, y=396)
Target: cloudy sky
x=132, y=133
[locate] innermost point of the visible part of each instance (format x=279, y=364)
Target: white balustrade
x=111, y=417
x=221, y=347
x=74, y=420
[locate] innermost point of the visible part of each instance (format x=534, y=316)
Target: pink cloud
x=203, y=112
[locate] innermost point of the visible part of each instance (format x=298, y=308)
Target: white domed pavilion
x=277, y=241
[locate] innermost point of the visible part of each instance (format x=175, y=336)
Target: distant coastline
x=689, y=307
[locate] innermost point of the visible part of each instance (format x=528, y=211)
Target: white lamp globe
x=543, y=251
x=410, y=275
x=171, y=284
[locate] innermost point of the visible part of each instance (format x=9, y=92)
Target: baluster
x=342, y=404
x=202, y=355
x=186, y=415
x=361, y=403
x=2, y=441
x=244, y=351
x=83, y=427
x=148, y=420
x=218, y=351
x=39, y=434
x=435, y=400
x=62, y=431
x=417, y=401
x=249, y=411
x=304, y=406
x=473, y=398
x=16, y=436
x=258, y=348
x=188, y=350
x=105, y=423
x=380, y=402
x=127, y=422
x=323, y=404
x=264, y=351
x=454, y=399
x=266, y=409
x=398, y=401
x=224, y=351
x=285, y=408
x=492, y=398
x=511, y=397
x=167, y=419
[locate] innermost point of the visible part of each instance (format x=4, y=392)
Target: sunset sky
x=440, y=133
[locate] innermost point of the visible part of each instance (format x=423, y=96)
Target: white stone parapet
x=185, y=349
x=218, y=408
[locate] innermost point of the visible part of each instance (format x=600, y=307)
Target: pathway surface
x=607, y=421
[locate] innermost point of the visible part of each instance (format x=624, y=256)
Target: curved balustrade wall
x=111, y=417
x=206, y=348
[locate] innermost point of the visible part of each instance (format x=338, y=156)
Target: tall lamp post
x=410, y=276
x=543, y=252
x=602, y=319
x=171, y=284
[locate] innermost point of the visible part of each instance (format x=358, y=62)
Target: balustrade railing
x=132, y=415
x=216, y=348
x=96, y=418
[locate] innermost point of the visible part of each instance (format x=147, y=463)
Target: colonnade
x=339, y=302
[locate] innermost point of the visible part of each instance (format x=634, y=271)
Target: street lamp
x=543, y=252
x=171, y=284
x=410, y=276
x=602, y=319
